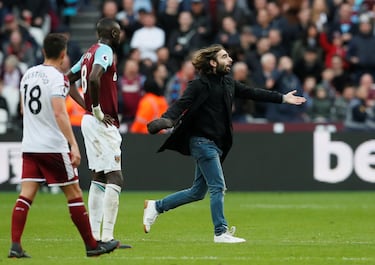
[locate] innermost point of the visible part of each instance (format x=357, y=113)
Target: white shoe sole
x=144, y=226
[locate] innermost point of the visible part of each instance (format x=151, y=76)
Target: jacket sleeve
x=179, y=107
x=258, y=94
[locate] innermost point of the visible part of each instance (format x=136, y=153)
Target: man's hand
x=75, y=156
x=290, y=98
x=108, y=120
x=159, y=124
x=100, y=116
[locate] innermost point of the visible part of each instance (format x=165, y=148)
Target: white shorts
x=103, y=145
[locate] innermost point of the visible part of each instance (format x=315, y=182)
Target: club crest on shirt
x=117, y=159
x=114, y=76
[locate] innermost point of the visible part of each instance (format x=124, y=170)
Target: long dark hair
x=201, y=58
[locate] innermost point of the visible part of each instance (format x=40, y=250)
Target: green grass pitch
x=294, y=228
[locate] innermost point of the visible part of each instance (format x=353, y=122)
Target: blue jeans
x=208, y=176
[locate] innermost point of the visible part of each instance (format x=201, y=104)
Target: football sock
x=111, y=202
x=95, y=203
x=19, y=216
x=80, y=218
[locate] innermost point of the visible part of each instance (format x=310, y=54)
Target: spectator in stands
x=265, y=78
x=276, y=42
x=366, y=80
x=268, y=73
x=11, y=76
x=303, y=22
x=153, y=103
x=278, y=20
x=135, y=54
x=144, y=65
x=243, y=109
x=202, y=21
x=4, y=10
x=148, y=38
x=11, y=73
x=183, y=40
x=37, y=12
x=20, y=48
x=286, y=81
x=309, y=41
x=12, y=24
x=163, y=58
x=361, y=49
x=158, y=77
x=247, y=43
x=327, y=83
x=309, y=85
x=321, y=106
x=109, y=9
x=36, y=32
x=257, y=5
x=309, y=64
x=263, y=24
x=343, y=23
x=253, y=57
x=231, y=8
x=4, y=113
x=55, y=14
x=340, y=106
x=319, y=14
x=128, y=18
x=341, y=76
x=3, y=101
x=228, y=35
x=333, y=48
x=359, y=116
x=178, y=82
x=131, y=87
x=168, y=18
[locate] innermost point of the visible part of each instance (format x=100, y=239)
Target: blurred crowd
x=324, y=49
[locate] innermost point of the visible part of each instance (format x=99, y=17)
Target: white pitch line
x=299, y=206
x=244, y=258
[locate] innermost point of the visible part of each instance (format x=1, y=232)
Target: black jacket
x=183, y=111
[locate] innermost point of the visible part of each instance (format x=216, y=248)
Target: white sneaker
x=149, y=215
x=228, y=237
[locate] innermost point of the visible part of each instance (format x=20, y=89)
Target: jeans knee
x=198, y=195
x=217, y=190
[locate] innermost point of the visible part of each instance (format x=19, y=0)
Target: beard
x=222, y=69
